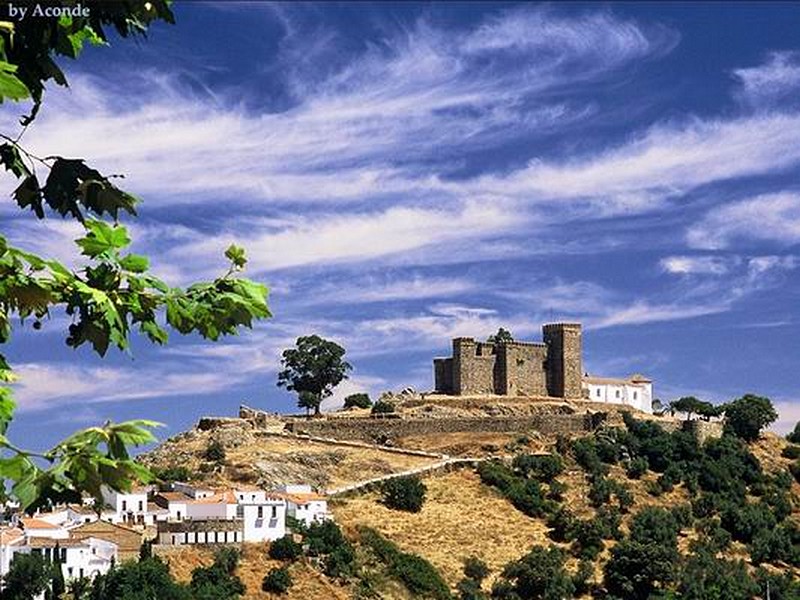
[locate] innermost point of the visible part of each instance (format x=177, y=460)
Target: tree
x=382, y=407
x=277, y=581
x=690, y=405
x=538, y=574
x=404, y=493
x=357, y=401
x=144, y=580
x=285, y=548
x=218, y=581
x=794, y=436
x=503, y=336
x=312, y=369
x=28, y=576
x=748, y=415
x=114, y=292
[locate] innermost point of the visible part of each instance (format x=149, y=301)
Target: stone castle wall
x=381, y=430
x=550, y=368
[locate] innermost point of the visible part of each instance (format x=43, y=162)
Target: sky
x=405, y=173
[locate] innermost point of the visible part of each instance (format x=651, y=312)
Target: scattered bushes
x=747, y=416
x=357, y=401
x=791, y=451
x=538, y=574
x=215, y=452
x=381, y=407
x=404, y=493
x=475, y=571
x=637, y=467
x=285, y=548
x=525, y=494
x=277, y=581
x=326, y=541
x=542, y=467
x=416, y=573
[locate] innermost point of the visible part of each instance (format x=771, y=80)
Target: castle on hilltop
x=550, y=368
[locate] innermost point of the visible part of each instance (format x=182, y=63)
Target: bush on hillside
x=538, y=574
x=416, y=573
x=404, y=493
x=357, y=401
x=285, y=548
x=381, y=407
x=215, y=452
x=277, y=581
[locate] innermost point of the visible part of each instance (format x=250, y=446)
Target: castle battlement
x=551, y=367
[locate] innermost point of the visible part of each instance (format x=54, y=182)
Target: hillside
x=467, y=513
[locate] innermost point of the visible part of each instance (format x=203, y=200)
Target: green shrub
x=469, y=589
x=416, y=573
x=285, y=548
x=582, y=580
x=748, y=415
x=215, y=452
x=277, y=581
x=600, y=491
x=562, y=524
x=173, y=473
x=541, y=467
x=475, y=569
x=556, y=490
x=791, y=452
x=588, y=539
x=357, y=401
x=794, y=436
x=637, y=467
x=381, y=407
x=538, y=574
x=404, y=493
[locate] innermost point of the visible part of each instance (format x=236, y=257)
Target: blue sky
x=404, y=173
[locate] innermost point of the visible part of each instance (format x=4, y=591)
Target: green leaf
x=7, y=407
x=12, y=160
x=236, y=255
x=11, y=87
x=134, y=263
x=102, y=240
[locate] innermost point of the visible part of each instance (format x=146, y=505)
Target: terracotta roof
x=31, y=523
x=11, y=535
x=82, y=509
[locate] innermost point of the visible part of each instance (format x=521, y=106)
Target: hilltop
x=479, y=512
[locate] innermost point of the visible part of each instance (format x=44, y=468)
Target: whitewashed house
x=303, y=504
x=128, y=507
x=78, y=558
x=636, y=391
x=263, y=517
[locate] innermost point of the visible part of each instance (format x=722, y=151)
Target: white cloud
x=386, y=288
x=355, y=237
x=788, y=416
x=693, y=265
x=771, y=217
x=772, y=82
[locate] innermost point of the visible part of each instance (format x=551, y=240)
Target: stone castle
x=552, y=367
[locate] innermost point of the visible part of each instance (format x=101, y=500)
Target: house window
x=260, y=512
x=274, y=512
x=634, y=395
x=141, y=506
x=124, y=505
x=598, y=392
x=617, y=394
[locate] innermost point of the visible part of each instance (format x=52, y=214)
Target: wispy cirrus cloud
x=773, y=217
x=771, y=83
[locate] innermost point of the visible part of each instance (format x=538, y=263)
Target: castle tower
x=564, y=362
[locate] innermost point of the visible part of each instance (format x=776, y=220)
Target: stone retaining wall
x=382, y=431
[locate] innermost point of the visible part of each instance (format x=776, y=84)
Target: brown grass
x=460, y=518
x=309, y=584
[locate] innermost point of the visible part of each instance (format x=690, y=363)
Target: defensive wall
x=383, y=430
